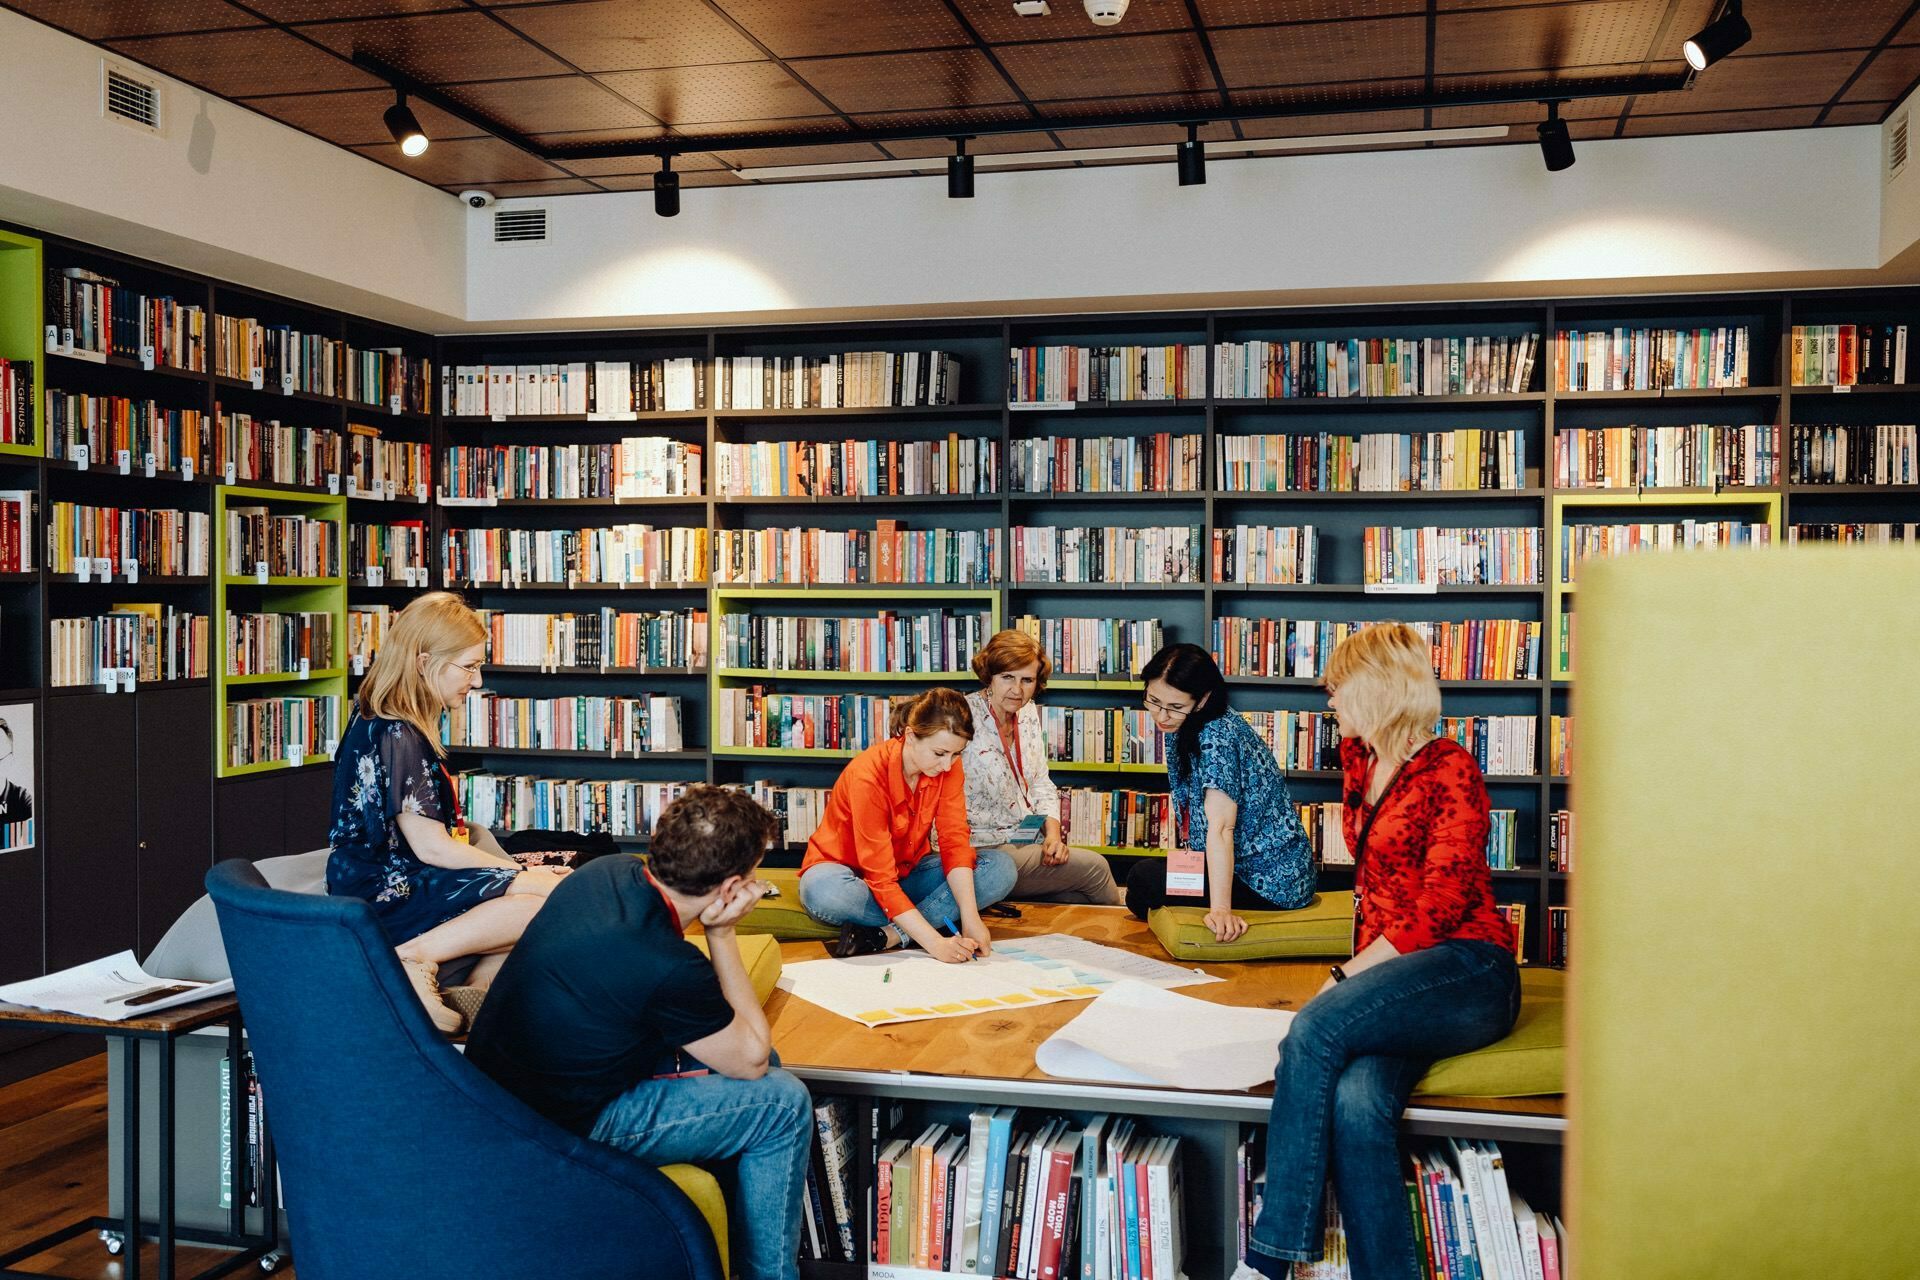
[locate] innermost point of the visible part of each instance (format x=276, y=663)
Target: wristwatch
x=1339, y=974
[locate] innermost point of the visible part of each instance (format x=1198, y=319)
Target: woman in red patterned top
x=1432, y=975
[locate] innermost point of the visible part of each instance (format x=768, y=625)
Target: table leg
x=164, y=1268
x=130, y=1154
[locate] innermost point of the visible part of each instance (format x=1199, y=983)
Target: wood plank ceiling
x=566, y=72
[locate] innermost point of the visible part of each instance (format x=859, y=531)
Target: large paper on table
x=101, y=988
x=1195, y=1044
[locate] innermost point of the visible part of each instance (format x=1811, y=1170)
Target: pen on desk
x=888, y=975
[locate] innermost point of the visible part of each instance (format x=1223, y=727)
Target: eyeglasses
x=1154, y=704
x=471, y=668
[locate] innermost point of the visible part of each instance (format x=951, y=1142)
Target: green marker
x=887, y=976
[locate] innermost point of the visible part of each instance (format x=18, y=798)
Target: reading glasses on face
x=1154, y=704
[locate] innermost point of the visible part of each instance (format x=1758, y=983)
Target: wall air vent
x=1896, y=145
x=511, y=225
x=129, y=99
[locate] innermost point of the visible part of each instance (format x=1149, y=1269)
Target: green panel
x=1744, y=1075
x=22, y=333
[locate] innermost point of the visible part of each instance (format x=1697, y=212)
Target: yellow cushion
x=1324, y=927
x=1532, y=1060
x=700, y=1187
x=783, y=917
x=762, y=956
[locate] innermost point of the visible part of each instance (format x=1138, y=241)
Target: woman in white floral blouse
x=1012, y=803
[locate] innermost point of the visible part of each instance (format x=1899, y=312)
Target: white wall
x=225, y=191
x=1728, y=211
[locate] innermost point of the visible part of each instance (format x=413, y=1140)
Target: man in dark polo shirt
x=603, y=1009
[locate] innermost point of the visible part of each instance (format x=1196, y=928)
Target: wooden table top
x=175, y=1021
x=1000, y=1044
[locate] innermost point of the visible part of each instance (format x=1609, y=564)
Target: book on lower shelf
x=281, y=730
x=609, y=638
x=1326, y=835
x=1266, y=555
x=378, y=467
x=387, y=554
x=1157, y=463
x=1629, y=359
x=1886, y=454
x=889, y=553
x=1101, y=735
x=894, y=641
x=135, y=644
x=1050, y=375
x=1471, y=1221
x=1557, y=949
x=758, y=718
x=856, y=468
x=1483, y=364
x=96, y=430
x=617, y=555
x=616, y=726
x=1700, y=456
x=631, y=467
x=259, y=450
x=1847, y=355
x=843, y=380
x=1483, y=649
x=1449, y=557
x=1883, y=533
x=16, y=402
x=1098, y=648
x=1560, y=840
x=19, y=530
x=262, y=542
x=1120, y=819
x=1467, y=459
x=292, y=643
x=89, y=314
x=1117, y=554
x=600, y=388
x=155, y=541
x=1590, y=541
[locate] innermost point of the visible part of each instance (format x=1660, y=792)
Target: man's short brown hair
x=706, y=835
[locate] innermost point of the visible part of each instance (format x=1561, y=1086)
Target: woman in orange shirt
x=869, y=866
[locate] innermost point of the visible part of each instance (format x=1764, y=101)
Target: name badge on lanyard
x=1186, y=873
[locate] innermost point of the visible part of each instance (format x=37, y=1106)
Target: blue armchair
x=398, y=1158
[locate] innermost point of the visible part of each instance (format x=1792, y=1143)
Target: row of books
x=1478, y=365
x=855, y=468
x=1110, y=554
x=279, y=357
x=91, y=540
x=1300, y=740
x=1157, y=463
x=16, y=402
x=845, y=380
x=1879, y=534
x=1515, y=914
x=1503, y=746
x=1120, y=819
x=88, y=314
x=278, y=643
x=607, y=639
x=1095, y=646
x=888, y=553
x=1560, y=746
x=1101, y=735
x=245, y=1095
x=797, y=809
x=1450, y=557
x=1854, y=454
x=1701, y=456
x=1476, y=649
x=290, y=729
x=388, y=554
x=1627, y=359
x=1588, y=541
x=1321, y=821
x=634, y=467
x=611, y=389
x=249, y=448
x=1266, y=555
x=753, y=717
x=618, y=554
x=260, y=540
x=1469, y=458
x=1557, y=954
x=1847, y=355
x=90, y=430
x=378, y=467
x=1470, y=1224
x=1560, y=840
x=18, y=545
x=367, y=626
x=1503, y=839
x=140, y=643
x=614, y=726
x=1044, y=375
x=623, y=807
x=931, y=641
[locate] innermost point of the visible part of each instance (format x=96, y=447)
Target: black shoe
x=858, y=940
x=1005, y=910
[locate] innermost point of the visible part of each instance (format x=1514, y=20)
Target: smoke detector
x=1106, y=13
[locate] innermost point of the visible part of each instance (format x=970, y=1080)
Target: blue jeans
x=766, y=1123
x=834, y=893
x=1347, y=1066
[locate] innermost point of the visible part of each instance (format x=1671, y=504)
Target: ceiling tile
x=1139, y=136
x=470, y=162
x=237, y=64
x=1356, y=122
x=439, y=47
x=990, y=144
x=797, y=127
x=1148, y=104
x=617, y=35
x=353, y=118
x=1371, y=93
x=1888, y=77
x=906, y=81
x=551, y=104
x=1802, y=26
x=1235, y=13
x=644, y=181
x=1322, y=51
x=1858, y=113
x=1741, y=83
x=328, y=10
x=106, y=19
x=1173, y=62
x=1639, y=126
x=761, y=157
x=1552, y=37
x=997, y=23
x=729, y=91
x=822, y=28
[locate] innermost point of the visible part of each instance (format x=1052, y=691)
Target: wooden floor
x=53, y=1169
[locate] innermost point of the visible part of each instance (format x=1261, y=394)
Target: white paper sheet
x=100, y=988
x=1194, y=1044
x=1094, y=964
x=922, y=987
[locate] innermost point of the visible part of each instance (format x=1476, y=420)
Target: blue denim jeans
x=833, y=893
x=1347, y=1066
x=764, y=1125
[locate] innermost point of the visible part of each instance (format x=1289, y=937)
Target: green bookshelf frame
x=283, y=595
x=23, y=334
x=1651, y=500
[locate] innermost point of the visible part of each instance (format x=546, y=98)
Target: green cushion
x=1324, y=927
x=783, y=917
x=761, y=954
x=1529, y=1062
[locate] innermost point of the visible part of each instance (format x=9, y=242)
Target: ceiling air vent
x=511, y=225
x=129, y=99
x=1896, y=145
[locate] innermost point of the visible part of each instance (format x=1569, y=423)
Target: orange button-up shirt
x=874, y=825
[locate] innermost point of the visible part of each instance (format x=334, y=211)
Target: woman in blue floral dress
x=440, y=888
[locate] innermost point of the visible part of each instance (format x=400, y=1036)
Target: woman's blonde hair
x=1009, y=651
x=439, y=625
x=1384, y=675
x=930, y=713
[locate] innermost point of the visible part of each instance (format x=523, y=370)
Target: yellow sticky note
x=917, y=1013
x=1016, y=999
x=1083, y=991
x=988, y=1003
x=875, y=1015
x=950, y=1008
x=1050, y=993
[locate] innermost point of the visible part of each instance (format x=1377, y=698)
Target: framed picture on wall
x=16, y=776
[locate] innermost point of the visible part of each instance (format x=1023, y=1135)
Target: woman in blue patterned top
x=1229, y=796
x=441, y=889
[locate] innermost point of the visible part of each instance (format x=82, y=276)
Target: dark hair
x=932, y=711
x=1191, y=670
x=706, y=835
